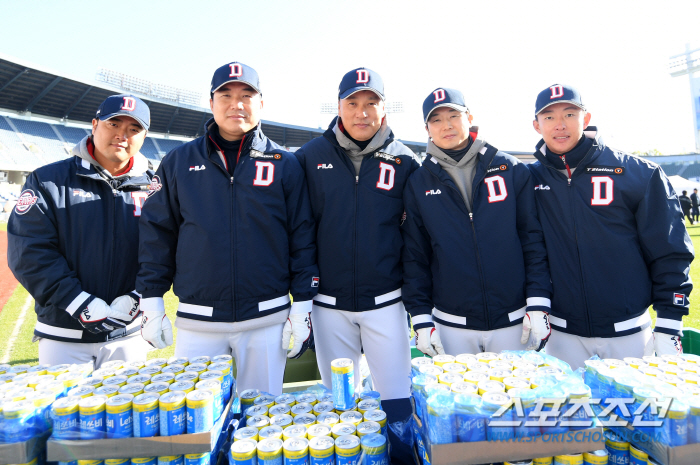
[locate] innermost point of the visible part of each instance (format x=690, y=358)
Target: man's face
x=117, y=139
x=237, y=108
x=449, y=128
x=561, y=126
x=362, y=114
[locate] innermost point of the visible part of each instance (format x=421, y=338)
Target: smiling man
x=356, y=173
x=615, y=239
x=475, y=268
x=73, y=241
x=228, y=224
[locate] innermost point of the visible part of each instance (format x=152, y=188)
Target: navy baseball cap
x=127, y=105
x=443, y=97
x=235, y=72
x=558, y=93
x=360, y=79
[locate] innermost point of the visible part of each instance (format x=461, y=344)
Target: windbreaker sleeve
x=301, y=228
x=158, y=234
x=417, y=287
x=668, y=252
x=33, y=251
x=538, y=288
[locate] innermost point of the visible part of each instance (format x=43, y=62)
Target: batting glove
x=536, y=330
x=98, y=317
x=155, y=326
x=128, y=304
x=667, y=344
x=428, y=341
x=298, y=325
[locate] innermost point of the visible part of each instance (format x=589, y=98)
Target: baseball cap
x=443, y=97
x=557, y=93
x=360, y=79
x=235, y=72
x=125, y=104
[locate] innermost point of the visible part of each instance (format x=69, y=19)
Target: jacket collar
x=254, y=140
x=385, y=130
x=591, y=132
x=484, y=158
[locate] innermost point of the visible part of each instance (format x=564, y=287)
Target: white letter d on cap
x=236, y=70
x=439, y=95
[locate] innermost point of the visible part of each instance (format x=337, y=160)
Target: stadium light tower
x=689, y=63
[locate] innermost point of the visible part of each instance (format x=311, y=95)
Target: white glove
x=666, y=344
x=127, y=304
x=299, y=326
x=155, y=326
x=428, y=342
x=98, y=317
x=536, y=330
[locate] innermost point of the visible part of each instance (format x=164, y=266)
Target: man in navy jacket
x=475, y=265
x=615, y=239
x=229, y=225
x=73, y=240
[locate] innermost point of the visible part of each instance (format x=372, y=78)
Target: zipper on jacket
x=481, y=273
x=354, y=247
x=115, y=196
x=233, y=247
x=578, y=251
x=568, y=170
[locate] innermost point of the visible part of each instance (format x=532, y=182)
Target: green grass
x=23, y=350
x=3, y=225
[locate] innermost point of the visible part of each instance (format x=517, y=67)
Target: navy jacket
x=476, y=271
x=233, y=247
x=616, y=244
x=357, y=220
x=72, y=237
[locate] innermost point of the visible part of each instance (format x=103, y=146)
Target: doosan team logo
x=26, y=200
x=154, y=186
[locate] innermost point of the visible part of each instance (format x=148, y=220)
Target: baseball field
x=17, y=317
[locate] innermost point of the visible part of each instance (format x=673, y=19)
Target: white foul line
x=18, y=327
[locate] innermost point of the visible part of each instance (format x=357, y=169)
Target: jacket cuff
x=153, y=293
x=79, y=304
x=538, y=293
x=669, y=324
x=422, y=321
x=301, y=307
x=134, y=295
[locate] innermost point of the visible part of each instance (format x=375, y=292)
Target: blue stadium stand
x=51, y=148
x=166, y=145
x=72, y=135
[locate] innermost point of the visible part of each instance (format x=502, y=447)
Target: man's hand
x=155, y=326
x=127, y=304
x=299, y=326
x=536, y=330
x=428, y=341
x=666, y=344
x=98, y=317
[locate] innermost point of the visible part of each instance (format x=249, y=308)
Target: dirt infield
x=8, y=283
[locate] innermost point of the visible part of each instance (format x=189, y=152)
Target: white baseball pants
x=129, y=348
x=457, y=341
x=382, y=334
x=575, y=350
x=260, y=359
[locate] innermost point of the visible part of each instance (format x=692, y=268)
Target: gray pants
x=574, y=350
x=468, y=341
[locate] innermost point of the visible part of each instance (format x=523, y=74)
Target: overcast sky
x=500, y=54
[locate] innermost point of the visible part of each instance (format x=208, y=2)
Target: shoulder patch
x=258, y=154
x=501, y=167
x=154, y=186
x=617, y=170
x=26, y=200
